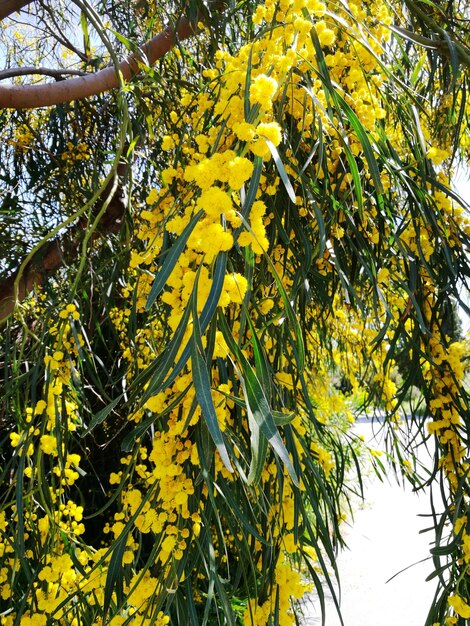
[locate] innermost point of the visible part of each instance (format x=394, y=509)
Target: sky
x=461, y=184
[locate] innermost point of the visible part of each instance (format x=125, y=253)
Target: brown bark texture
x=63, y=249
x=7, y=7
x=49, y=94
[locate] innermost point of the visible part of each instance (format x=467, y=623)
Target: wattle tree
x=227, y=228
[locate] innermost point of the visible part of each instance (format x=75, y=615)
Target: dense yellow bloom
x=262, y=90
x=270, y=131
x=160, y=489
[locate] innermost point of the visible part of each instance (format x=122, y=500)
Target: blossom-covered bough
x=212, y=252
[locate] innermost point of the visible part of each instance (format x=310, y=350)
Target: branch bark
x=7, y=7
x=63, y=249
x=11, y=72
x=447, y=36
x=59, y=251
x=48, y=94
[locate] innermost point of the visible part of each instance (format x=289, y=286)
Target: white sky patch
x=461, y=184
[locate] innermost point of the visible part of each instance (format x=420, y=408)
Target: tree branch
x=7, y=7
x=35, y=96
x=441, y=45
x=44, y=71
x=63, y=249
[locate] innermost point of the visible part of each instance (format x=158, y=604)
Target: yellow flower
x=262, y=90
x=215, y=202
x=15, y=439
x=49, y=444
x=270, y=131
x=235, y=285
x=240, y=170
x=152, y=197
x=459, y=606
x=167, y=143
x=35, y=619
x=325, y=34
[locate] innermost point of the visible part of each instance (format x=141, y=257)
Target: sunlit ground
x=383, y=540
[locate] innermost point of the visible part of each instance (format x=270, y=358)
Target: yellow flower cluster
x=158, y=493
x=76, y=152
x=288, y=588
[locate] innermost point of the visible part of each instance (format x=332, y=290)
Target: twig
x=44, y=71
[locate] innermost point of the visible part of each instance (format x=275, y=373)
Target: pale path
x=383, y=540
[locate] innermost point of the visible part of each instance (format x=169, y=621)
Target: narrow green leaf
x=207, y=312
x=115, y=574
x=261, y=361
x=259, y=450
x=124, y=40
x=300, y=360
x=246, y=92
x=416, y=73
x=167, y=359
x=253, y=186
x=355, y=176
x=282, y=172
x=171, y=260
x=86, y=34
x=204, y=397
x=364, y=140
x=281, y=419
x=202, y=384
x=257, y=406
x=102, y=415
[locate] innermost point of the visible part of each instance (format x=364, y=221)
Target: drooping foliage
x=220, y=253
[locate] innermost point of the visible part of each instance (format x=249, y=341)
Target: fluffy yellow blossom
x=49, y=444
x=270, y=131
x=262, y=90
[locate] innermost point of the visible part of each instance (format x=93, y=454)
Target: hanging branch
x=49, y=94
x=60, y=251
x=63, y=249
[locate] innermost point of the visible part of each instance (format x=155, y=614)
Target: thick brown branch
x=35, y=96
x=62, y=250
x=7, y=7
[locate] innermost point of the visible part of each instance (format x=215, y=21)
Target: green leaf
x=300, y=358
x=418, y=69
x=281, y=169
x=246, y=91
x=257, y=406
x=261, y=361
x=171, y=260
x=364, y=140
x=207, y=312
x=124, y=40
x=253, y=186
x=115, y=574
x=282, y=419
x=86, y=34
x=259, y=450
x=202, y=384
x=102, y=415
